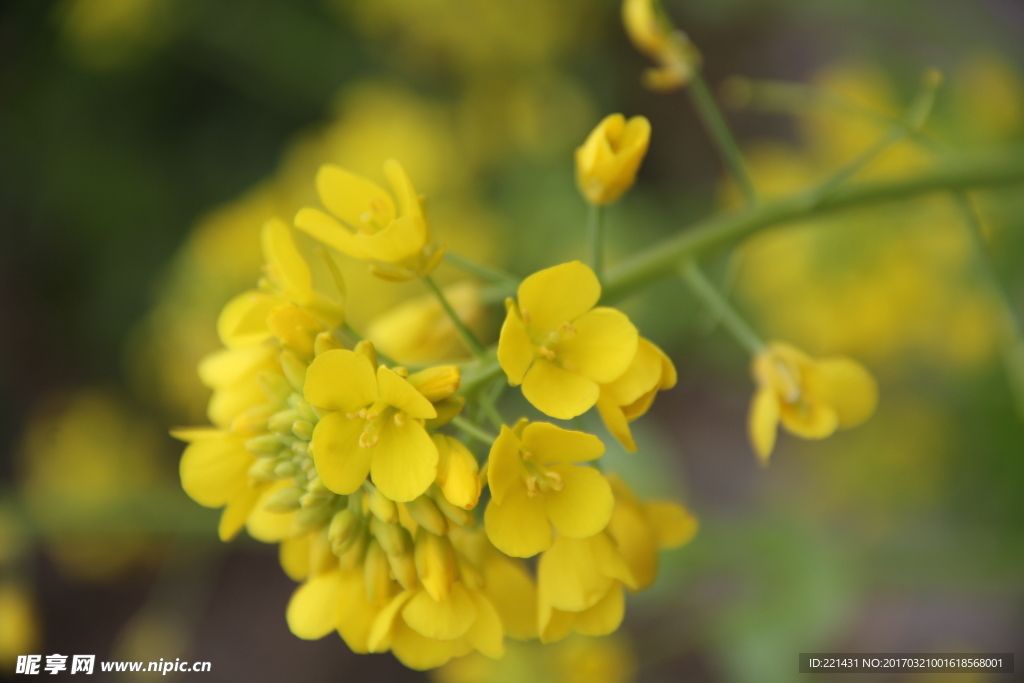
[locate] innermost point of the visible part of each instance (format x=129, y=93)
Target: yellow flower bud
x=446, y=410
x=376, y=572
x=455, y=515
x=284, y=500
x=425, y=513
x=294, y=369
x=607, y=163
x=343, y=530
x=437, y=383
x=435, y=563
x=652, y=33
x=325, y=341
x=383, y=508
x=457, y=472
x=419, y=330
x=403, y=567
x=295, y=327
x=393, y=538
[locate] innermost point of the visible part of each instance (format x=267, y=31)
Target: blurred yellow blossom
x=607, y=162
x=631, y=395
x=19, y=625
x=652, y=33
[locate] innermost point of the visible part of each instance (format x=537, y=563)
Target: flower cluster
x=403, y=538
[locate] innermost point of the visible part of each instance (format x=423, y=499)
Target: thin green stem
x=483, y=271
x=477, y=374
x=719, y=131
x=351, y=332
x=595, y=239
x=717, y=304
x=465, y=334
x=962, y=172
x=471, y=429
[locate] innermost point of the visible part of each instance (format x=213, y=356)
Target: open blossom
x=632, y=394
x=558, y=346
x=366, y=222
x=535, y=483
x=653, y=34
x=810, y=398
x=608, y=161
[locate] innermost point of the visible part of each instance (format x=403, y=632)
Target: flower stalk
x=720, y=307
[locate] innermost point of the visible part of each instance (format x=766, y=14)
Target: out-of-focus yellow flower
x=365, y=222
x=558, y=346
x=19, y=626
x=632, y=394
x=419, y=330
x=607, y=162
x=810, y=398
x=653, y=34
x=108, y=33
x=640, y=529
x=535, y=484
x=374, y=426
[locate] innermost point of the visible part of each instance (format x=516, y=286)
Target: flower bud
x=392, y=537
x=264, y=470
x=435, y=564
x=274, y=386
x=436, y=383
x=313, y=518
x=264, y=446
x=303, y=429
x=425, y=513
x=294, y=369
x=419, y=331
x=652, y=33
x=457, y=472
x=295, y=327
x=403, y=566
x=607, y=162
x=366, y=348
x=376, y=572
x=382, y=507
x=325, y=341
x=284, y=500
x=343, y=529
x=281, y=421
x=456, y=515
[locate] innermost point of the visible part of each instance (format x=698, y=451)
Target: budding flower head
x=607, y=162
x=652, y=33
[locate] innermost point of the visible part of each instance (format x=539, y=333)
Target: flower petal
x=352, y=198
x=584, y=504
x=515, y=350
x=603, y=347
x=518, y=526
x=486, y=634
x=445, y=620
x=763, y=422
x=293, y=555
x=404, y=462
x=324, y=228
x=385, y=622
x=311, y=609
x=237, y=512
x=503, y=464
x=673, y=524
x=509, y=587
x=557, y=392
x=615, y=421
x=340, y=379
x=847, y=386
x=401, y=238
x=558, y=295
x=809, y=420
x=397, y=392
x=419, y=653
x=284, y=261
x=643, y=375
x=267, y=526
x=550, y=444
x=604, y=617
x=243, y=321
x=405, y=194
x=213, y=469
x=230, y=366
x=570, y=575
x=341, y=462
x=354, y=614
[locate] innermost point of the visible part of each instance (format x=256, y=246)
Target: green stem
x=465, y=334
x=479, y=269
x=595, y=239
x=718, y=305
x=350, y=332
x=959, y=173
x=719, y=131
x=473, y=430
x=478, y=374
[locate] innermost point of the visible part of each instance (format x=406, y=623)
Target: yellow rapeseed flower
x=365, y=222
x=19, y=626
x=535, y=483
x=558, y=346
x=652, y=33
x=810, y=398
x=373, y=425
x=607, y=162
x=632, y=394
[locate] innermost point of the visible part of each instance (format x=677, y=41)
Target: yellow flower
x=607, y=162
x=365, y=222
x=811, y=398
x=457, y=472
x=558, y=346
x=244, y=320
x=419, y=330
x=632, y=394
x=641, y=529
x=535, y=484
x=19, y=627
x=373, y=425
x=653, y=34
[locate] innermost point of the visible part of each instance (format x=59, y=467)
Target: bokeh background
x=143, y=143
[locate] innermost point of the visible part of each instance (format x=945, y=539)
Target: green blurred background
x=143, y=143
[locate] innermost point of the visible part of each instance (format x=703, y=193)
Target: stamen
x=531, y=487
x=546, y=352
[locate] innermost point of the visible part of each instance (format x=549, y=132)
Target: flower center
x=376, y=416
x=546, y=346
x=538, y=479
x=375, y=218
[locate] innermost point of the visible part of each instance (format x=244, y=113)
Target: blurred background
x=144, y=142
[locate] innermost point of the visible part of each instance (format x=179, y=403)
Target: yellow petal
x=673, y=523
x=284, y=261
x=513, y=593
x=847, y=386
x=445, y=620
x=570, y=575
x=419, y=653
x=557, y=295
x=644, y=374
x=404, y=462
x=385, y=622
x=355, y=615
x=604, y=617
x=237, y=512
x=324, y=228
x=515, y=350
x=212, y=470
x=351, y=197
x=266, y=526
x=550, y=444
x=243, y=321
x=401, y=238
x=763, y=422
x=340, y=380
x=557, y=392
x=809, y=420
x=295, y=327
x=340, y=461
x=397, y=392
x=294, y=557
x=518, y=526
x=503, y=464
x=603, y=347
x=311, y=609
x=636, y=539
x=405, y=194
x=486, y=635
x=231, y=366
x=584, y=504
x=615, y=421
x=554, y=624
